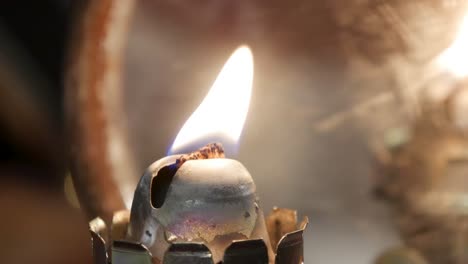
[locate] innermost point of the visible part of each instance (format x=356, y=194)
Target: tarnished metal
x=206, y=200
x=181, y=253
x=142, y=225
x=130, y=253
x=99, y=248
x=290, y=248
x=164, y=246
x=246, y=251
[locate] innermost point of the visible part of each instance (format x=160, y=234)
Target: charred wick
x=160, y=184
x=210, y=151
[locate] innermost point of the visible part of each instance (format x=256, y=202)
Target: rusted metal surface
x=280, y=222
x=100, y=159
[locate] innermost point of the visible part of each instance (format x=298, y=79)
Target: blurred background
x=335, y=84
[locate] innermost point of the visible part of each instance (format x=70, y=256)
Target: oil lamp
x=197, y=205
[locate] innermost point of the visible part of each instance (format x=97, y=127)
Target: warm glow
x=221, y=115
x=455, y=58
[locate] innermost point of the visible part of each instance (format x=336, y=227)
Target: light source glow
x=222, y=113
x=455, y=58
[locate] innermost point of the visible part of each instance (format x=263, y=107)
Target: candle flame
x=221, y=115
x=455, y=58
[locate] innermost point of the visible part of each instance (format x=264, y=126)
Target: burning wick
x=203, y=196
x=210, y=151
